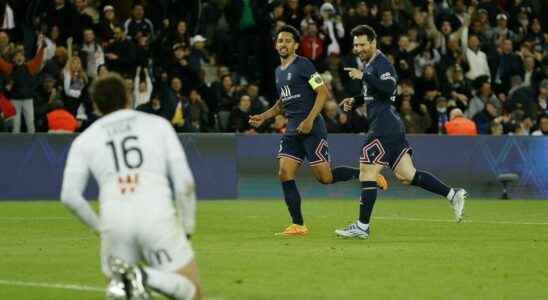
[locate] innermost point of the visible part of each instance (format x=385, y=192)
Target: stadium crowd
x=464, y=66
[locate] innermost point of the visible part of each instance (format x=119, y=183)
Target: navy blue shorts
x=298, y=147
x=384, y=150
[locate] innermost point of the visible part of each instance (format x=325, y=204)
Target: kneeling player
x=132, y=155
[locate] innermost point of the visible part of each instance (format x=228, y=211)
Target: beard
x=284, y=54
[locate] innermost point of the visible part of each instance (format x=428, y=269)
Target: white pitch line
x=74, y=287
x=465, y=221
x=33, y=218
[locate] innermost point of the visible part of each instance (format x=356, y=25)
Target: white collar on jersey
x=373, y=57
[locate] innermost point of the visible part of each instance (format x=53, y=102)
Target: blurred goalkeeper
x=385, y=144
x=139, y=222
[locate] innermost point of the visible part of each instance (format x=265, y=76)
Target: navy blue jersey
x=379, y=85
x=295, y=85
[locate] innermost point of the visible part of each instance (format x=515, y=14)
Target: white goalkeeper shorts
x=159, y=242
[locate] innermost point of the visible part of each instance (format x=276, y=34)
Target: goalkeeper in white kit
x=133, y=156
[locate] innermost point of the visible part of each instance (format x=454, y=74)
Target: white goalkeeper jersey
x=132, y=155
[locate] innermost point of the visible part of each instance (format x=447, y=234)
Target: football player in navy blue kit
x=302, y=95
x=385, y=144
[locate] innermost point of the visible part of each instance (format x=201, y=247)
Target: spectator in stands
x=541, y=105
x=439, y=114
x=91, y=53
x=198, y=55
x=120, y=53
x=332, y=27
x=6, y=47
x=107, y=24
x=532, y=74
x=239, y=117
x=429, y=57
x=405, y=58
x=142, y=89
x=388, y=33
x=154, y=106
x=457, y=88
x=74, y=83
x=59, y=120
x=501, y=31
x=138, y=25
x=484, y=118
x=542, y=126
x=293, y=13
x=258, y=102
x=312, y=45
x=227, y=99
x=49, y=91
x=330, y=114
x=21, y=86
x=198, y=112
x=180, y=67
x=506, y=65
x=413, y=121
x=63, y=15
x=54, y=66
x=477, y=60
x=483, y=94
x=83, y=20
x=459, y=124
x=520, y=96
x=180, y=120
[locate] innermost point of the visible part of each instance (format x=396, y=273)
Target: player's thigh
x=118, y=244
x=190, y=271
x=317, y=153
x=405, y=169
x=322, y=172
x=164, y=244
x=290, y=156
x=369, y=171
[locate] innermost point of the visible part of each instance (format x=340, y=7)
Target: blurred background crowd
x=464, y=66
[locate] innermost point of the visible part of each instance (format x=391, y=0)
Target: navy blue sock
x=293, y=201
x=430, y=183
x=345, y=173
x=369, y=195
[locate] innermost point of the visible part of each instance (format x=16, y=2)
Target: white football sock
x=171, y=284
x=451, y=194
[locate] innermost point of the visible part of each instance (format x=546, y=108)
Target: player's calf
x=180, y=285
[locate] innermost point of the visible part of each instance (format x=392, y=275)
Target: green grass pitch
x=416, y=252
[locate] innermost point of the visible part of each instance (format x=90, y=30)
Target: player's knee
x=405, y=177
x=285, y=175
x=198, y=294
x=324, y=178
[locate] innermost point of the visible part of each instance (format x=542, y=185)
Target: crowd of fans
x=464, y=66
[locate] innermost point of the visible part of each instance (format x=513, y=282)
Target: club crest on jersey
x=288, y=76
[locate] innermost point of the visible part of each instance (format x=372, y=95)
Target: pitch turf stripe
x=464, y=221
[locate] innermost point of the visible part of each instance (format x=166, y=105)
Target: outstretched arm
x=257, y=120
